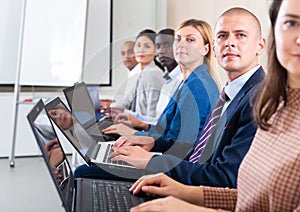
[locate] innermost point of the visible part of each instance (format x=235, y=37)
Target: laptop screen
x=94, y=94
x=81, y=104
x=53, y=154
x=71, y=128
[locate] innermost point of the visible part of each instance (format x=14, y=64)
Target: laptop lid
x=94, y=94
x=53, y=154
x=81, y=104
x=75, y=194
x=84, y=144
x=87, y=147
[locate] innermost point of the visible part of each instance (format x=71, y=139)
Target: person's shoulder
x=152, y=66
x=135, y=70
x=258, y=75
x=176, y=73
x=256, y=80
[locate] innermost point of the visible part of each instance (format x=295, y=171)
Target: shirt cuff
x=219, y=198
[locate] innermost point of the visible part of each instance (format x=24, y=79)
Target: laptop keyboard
x=106, y=158
x=113, y=196
x=96, y=130
x=104, y=124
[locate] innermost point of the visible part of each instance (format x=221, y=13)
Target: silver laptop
x=91, y=148
x=77, y=194
x=85, y=106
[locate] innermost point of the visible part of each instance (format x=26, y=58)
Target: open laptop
x=91, y=148
x=77, y=194
x=85, y=106
x=94, y=95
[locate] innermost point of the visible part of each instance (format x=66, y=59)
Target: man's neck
x=171, y=67
x=233, y=75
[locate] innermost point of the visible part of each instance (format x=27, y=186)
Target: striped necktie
x=210, y=127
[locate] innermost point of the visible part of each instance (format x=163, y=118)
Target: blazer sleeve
x=179, y=121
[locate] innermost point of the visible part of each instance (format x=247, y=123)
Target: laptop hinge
x=95, y=151
x=73, y=199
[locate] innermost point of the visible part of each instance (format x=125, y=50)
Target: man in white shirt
x=128, y=57
x=173, y=76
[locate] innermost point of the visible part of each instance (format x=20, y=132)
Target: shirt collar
x=176, y=73
x=236, y=85
x=149, y=66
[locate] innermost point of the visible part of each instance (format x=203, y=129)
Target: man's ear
x=261, y=46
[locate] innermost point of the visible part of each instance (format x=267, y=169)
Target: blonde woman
x=184, y=116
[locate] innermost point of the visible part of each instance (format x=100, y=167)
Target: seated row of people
x=184, y=116
x=186, y=157
x=205, y=139
x=268, y=176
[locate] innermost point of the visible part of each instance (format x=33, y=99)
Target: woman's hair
x=206, y=33
x=275, y=84
x=149, y=33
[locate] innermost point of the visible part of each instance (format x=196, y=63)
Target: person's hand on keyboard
x=177, y=196
x=119, y=129
x=131, y=121
x=146, y=142
x=133, y=155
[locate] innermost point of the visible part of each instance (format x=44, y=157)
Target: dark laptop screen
x=81, y=104
x=53, y=154
x=94, y=94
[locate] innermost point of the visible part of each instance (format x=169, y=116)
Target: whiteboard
x=64, y=41
x=97, y=57
x=10, y=13
x=53, y=42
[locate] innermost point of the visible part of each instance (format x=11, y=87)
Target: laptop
x=87, y=110
x=94, y=95
x=77, y=194
x=93, y=149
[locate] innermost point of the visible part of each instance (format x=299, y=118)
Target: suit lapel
x=257, y=77
x=216, y=136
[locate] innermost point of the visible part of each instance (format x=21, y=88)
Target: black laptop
x=77, y=194
x=85, y=106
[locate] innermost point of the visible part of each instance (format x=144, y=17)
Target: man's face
x=237, y=43
x=164, y=49
x=128, y=57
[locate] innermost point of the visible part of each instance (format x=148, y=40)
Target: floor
x=27, y=187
